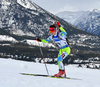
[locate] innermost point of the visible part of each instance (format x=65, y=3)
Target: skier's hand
x=37, y=39
x=58, y=23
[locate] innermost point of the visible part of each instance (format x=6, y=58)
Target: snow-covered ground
x=7, y=38
x=10, y=77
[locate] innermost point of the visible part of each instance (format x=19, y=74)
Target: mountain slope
x=23, y=18
x=85, y=20
x=18, y=18
x=71, y=17
x=91, y=22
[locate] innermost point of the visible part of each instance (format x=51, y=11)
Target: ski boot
x=61, y=73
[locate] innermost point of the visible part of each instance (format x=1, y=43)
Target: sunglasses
x=51, y=31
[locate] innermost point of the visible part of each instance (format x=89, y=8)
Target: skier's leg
x=60, y=60
x=61, y=65
x=63, y=53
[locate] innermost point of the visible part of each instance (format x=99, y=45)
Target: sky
x=55, y=6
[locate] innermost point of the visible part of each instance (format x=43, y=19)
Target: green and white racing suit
x=60, y=40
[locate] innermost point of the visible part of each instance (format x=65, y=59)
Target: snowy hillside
x=10, y=77
x=90, y=22
x=72, y=17
x=23, y=21
x=86, y=20
x=7, y=38
x=23, y=17
x=26, y=4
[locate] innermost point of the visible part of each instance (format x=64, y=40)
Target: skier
x=60, y=40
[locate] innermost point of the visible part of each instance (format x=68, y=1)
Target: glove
x=37, y=39
x=58, y=24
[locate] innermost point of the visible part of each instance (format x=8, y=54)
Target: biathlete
x=60, y=40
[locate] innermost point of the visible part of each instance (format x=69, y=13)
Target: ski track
x=10, y=77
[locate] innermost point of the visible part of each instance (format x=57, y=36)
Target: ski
x=49, y=76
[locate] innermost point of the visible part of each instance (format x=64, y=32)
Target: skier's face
x=52, y=30
x=53, y=33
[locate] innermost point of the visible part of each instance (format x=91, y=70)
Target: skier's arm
x=61, y=29
x=44, y=40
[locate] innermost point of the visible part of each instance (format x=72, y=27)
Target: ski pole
x=43, y=59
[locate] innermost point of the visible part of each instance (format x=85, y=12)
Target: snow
x=7, y=38
x=26, y=4
x=70, y=17
x=10, y=77
x=85, y=20
x=22, y=33
x=96, y=10
x=5, y=4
